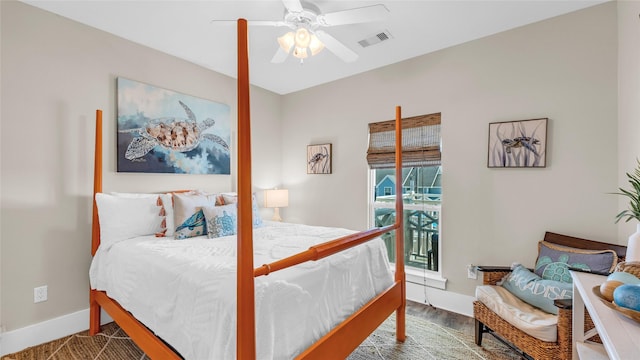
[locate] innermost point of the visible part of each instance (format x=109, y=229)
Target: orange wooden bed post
x=97, y=182
x=245, y=327
x=400, y=275
x=94, y=308
x=341, y=340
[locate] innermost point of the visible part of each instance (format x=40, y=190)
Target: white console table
x=620, y=335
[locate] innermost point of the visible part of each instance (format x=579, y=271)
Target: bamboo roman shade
x=420, y=142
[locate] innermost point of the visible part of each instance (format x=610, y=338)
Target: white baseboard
x=435, y=294
x=20, y=339
x=446, y=300
x=36, y=334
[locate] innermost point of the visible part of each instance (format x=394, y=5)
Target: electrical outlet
x=40, y=294
x=472, y=272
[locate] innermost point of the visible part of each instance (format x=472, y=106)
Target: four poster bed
x=175, y=305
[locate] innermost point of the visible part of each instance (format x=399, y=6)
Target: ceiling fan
x=305, y=20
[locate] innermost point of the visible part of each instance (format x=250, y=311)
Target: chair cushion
x=518, y=313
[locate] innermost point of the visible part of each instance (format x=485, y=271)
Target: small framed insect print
x=319, y=159
x=518, y=144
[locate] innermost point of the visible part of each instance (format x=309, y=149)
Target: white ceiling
x=185, y=29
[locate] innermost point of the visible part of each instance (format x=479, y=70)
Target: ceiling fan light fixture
x=303, y=37
x=302, y=41
x=315, y=45
x=306, y=37
x=287, y=41
x=300, y=52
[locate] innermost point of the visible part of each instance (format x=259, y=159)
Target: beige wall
x=564, y=68
x=628, y=100
x=55, y=73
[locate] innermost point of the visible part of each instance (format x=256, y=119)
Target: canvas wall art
x=163, y=131
x=517, y=144
x=319, y=159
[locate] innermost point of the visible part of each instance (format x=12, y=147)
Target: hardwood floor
x=462, y=323
x=441, y=317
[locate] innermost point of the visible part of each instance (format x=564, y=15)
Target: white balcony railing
x=421, y=230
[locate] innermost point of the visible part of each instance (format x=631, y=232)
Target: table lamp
x=276, y=199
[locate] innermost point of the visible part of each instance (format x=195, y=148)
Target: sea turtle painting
x=171, y=133
x=319, y=159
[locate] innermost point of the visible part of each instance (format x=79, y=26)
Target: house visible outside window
x=421, y=184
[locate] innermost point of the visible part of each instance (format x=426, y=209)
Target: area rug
x=425, y=340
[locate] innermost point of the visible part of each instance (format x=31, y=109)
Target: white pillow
x=188, y=217
x=167, y=202
x=123, y=218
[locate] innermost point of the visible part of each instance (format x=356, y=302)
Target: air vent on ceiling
x=375, y=38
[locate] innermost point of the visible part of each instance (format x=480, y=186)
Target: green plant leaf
x=633, y=212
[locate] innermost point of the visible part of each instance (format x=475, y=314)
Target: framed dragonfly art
x=518, y=144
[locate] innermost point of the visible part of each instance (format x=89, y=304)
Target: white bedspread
x=185, y=290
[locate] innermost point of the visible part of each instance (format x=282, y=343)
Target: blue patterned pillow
x=554, y=261
x=536, y=291
x=221, y=220
x=232, y=198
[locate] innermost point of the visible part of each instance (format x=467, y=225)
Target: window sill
x=428, y=278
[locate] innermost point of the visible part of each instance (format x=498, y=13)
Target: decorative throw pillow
x=232, y=198
x=536, y=291
x=554, y=261
x=166, y=204
x=124, y=218
x=187, y=212
x=221, y=220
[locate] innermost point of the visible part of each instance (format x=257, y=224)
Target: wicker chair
x=486, y=321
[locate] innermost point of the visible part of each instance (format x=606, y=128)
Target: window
x=421, y=187
x=421, y=216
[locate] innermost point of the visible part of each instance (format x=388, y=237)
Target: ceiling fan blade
x=293, y=6
x=274, y=23
x=336, y=47
x=279, y=56
x=354, y=16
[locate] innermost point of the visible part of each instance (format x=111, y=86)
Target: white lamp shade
x=315, y=45
x=302, y=38
x=287, y=41
x=276, y=198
